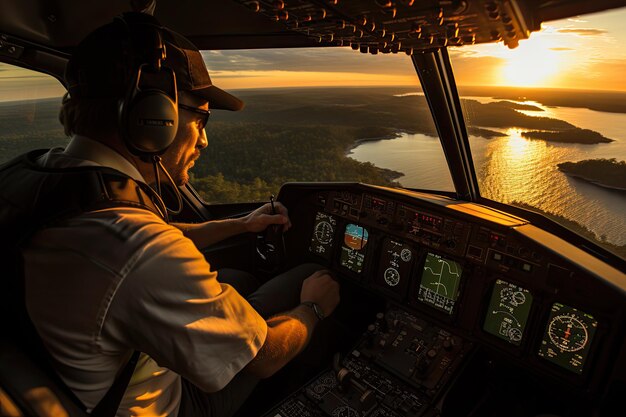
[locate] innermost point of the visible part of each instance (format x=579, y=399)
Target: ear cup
x=148, y=114
x=152, y=122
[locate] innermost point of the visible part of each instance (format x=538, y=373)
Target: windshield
x=547, y=123
x=334, y=114
x=318, y=115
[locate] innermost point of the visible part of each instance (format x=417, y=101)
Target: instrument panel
x=467, y=269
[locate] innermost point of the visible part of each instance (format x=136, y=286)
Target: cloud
x=308, y=59
x=583, y=31
x=577, y=20
x=561, y=49
x=462, y=53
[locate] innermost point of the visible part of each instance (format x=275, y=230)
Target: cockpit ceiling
x=374, y=26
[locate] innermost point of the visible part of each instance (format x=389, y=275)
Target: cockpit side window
x=29, y=111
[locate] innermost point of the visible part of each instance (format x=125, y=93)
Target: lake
x=512, y=168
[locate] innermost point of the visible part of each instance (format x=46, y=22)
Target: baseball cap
x=102, y=64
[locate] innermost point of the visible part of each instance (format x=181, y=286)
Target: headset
x=148, y=113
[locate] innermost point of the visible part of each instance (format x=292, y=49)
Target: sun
x=532, y=64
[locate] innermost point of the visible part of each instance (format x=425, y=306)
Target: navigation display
x=395, y=266
x=568, y=337
x=508, y=312
x=439, y=285
x=353, y=247
x=323, y=235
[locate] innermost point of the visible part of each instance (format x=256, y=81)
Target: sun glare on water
x=532, y=64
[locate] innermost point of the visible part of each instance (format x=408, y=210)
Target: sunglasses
x=205, y=114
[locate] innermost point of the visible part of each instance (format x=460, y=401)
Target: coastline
x=388, y=174
x=358, y=142
x=594, y=182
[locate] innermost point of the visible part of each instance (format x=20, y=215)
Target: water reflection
x=512, y=169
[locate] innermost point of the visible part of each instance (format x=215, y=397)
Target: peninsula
x=574, y=135
x=607, y=173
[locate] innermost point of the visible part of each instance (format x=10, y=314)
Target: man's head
x=102, y=75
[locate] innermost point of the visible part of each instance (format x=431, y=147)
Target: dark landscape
x=608, y=101
x=301, y=134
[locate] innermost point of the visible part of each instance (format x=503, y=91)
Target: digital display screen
x=395, y=266
x=508, y=312
x=323, y=235
x=427, y=221
x=379, y=204
x=353, y=247
x=440, y=281
x=568, y=337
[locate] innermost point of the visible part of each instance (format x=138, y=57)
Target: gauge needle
x=568, y=332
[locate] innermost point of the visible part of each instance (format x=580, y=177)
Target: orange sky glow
x=578, y=53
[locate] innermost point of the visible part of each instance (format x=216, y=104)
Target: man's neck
x=108, y=153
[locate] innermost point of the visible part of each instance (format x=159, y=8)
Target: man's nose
x=203, y=141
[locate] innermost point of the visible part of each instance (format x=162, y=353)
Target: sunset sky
x=585, y=52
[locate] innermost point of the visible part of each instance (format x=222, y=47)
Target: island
x=574, y=135
x=607, y=173
x=518, y=106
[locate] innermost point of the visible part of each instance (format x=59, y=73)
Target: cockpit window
x=547, y=123
x=318, y=115
x=29, y=111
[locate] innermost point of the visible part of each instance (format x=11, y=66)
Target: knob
x=367, y=400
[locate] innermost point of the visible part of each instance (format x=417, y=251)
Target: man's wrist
x=315, y=308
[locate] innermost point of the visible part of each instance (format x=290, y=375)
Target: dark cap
x=103, y=64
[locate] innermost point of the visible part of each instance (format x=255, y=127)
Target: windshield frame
x=437, y=80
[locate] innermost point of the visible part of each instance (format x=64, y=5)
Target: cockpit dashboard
x=489, y=281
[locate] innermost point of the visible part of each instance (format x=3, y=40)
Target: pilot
x=103, y=283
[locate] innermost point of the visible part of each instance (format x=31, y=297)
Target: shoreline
x=358, y=142
x=388, y=174
x=594, y=182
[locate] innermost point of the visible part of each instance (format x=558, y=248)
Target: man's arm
x=290, y=332
x=287, y=335
x=208, y=233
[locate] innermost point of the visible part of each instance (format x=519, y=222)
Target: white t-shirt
x=111, y=281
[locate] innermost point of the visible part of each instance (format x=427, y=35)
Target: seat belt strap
x=108, y=405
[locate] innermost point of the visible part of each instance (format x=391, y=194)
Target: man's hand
x=259, y=219
x=321, y=289
x=289, y=333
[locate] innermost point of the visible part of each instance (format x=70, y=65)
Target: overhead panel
x=392, y=26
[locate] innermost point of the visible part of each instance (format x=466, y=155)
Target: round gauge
x=324, y=232
x=515, y=334
x=405, y=255
x=518, y=298
x=568, y=333
x=345, y=411
x=392, y=277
